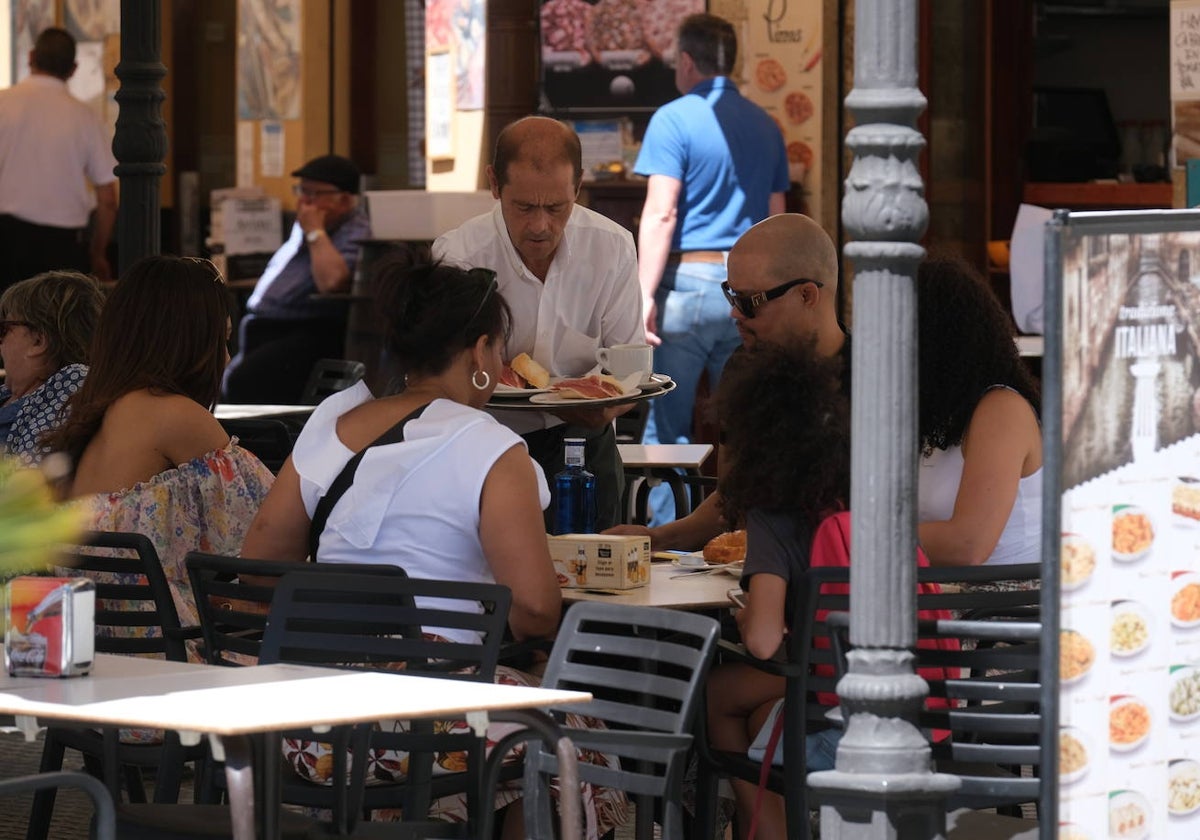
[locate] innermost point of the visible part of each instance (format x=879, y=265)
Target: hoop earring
x=487, y=379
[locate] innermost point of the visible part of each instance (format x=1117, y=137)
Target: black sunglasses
x=490, y=276
x=746, y=304
x=5, y=326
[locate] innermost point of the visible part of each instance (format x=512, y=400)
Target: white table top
x=687, y=456
x=669, y=588
x=248, y=410
x=264, y=698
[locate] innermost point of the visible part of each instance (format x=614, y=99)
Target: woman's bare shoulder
x=178, y=426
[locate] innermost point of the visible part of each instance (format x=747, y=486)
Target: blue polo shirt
x=728, y=155
x=285, y=290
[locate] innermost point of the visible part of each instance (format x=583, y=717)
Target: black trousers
x=601, y=458
x=275, y=358
x=27, y=249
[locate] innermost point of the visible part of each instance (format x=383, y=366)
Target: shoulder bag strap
x=346, y=477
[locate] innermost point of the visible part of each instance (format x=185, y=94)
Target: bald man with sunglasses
x=782, y=289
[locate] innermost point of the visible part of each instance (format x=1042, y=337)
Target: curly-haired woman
x=787, y=437
x=980, y=498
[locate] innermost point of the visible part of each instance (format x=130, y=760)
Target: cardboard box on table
x=600, y=561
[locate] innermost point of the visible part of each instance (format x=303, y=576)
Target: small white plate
x=1134, y=614
x=654, y=380
x=1120, y=512
x=1184, y=678
x=1184, y=774
x=1077, y=554
x=1121, y=702
x=1128, y=815
x=1181, y=589
x=694, y=560
x=1072, y=732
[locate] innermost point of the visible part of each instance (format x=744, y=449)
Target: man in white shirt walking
x=569, y=276
x=54, y=153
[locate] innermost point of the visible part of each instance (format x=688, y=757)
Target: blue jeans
x=698, y=334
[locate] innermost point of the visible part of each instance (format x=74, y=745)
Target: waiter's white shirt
x=52, y=147
x=591, y=298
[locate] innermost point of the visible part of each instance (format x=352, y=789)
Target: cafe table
x=671, y=586
x=239, y=709
x=663, y=462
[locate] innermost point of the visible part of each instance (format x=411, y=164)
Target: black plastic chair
x=375, y=622
x=233, y=609
x=103, y=825
x=993, y=712
x=267, y=438
x=645, y=668
x=810, y=674
x=330, y=376
x=135, y=616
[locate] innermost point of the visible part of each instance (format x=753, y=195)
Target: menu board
x=1129, y=619
x=610, y=55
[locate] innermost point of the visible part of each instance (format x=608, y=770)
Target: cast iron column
x=140, y=144
x=884, y=787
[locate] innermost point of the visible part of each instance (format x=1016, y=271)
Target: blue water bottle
x=574, y=493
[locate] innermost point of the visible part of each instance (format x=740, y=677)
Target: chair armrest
x=730, y=652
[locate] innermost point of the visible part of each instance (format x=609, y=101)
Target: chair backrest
x=233, y=596
x=644, y=666
x=386, y=622
x=135, y=610
x=330, y=376
x=266, y=437
x=990, y=717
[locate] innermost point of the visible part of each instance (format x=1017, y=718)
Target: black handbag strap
x=346, y=477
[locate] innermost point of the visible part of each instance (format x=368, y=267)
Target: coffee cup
x=627, y=359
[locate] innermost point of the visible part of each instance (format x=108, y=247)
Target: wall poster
x=611, y=55
x=268, y=60
x=29, y=18
x=440, y=96
x=459, y=26
x=1126, y=287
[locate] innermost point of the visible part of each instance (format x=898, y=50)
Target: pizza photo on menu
x=798, y=107
x=769, y=75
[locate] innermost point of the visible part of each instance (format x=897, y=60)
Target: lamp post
x=884, y=787
x=140, y=143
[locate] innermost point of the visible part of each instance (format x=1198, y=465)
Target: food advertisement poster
x=1129, y=642
x=457, y=27
x=611, y=55
x=782, y=71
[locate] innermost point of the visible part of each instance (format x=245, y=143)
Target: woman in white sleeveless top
x=980, y=479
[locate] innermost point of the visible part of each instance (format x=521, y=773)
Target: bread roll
x=531, y=371
x=726, y=548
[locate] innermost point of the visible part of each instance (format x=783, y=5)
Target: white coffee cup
x=627, y=359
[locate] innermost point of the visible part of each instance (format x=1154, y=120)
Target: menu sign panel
x=1129, y=619
x=610, y=55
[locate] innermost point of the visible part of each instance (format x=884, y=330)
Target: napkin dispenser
x=50, y=626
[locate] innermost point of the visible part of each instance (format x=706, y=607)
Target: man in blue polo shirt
x=716, y=165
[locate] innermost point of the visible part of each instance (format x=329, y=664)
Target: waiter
x=569, y=276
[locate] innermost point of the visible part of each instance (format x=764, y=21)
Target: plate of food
x=505, y=391
x=1128, y=722
x=1185, y=502
x=1132, y=533
x=1130, y=633
x=1128, y=815
x=1183, y=787
x=1076, y=654
x=1184, y=695
x=1185, y=600
x=1078, y=560
x=1073, y=755
x=593, y=389
x=1070, y=831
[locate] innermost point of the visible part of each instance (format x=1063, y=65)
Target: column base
x=870, y=806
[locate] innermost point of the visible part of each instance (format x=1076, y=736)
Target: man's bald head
x=540, y=142
x=778, y=250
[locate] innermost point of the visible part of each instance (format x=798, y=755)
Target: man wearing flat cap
x=288, y=327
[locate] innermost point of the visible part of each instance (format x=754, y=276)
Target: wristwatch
x=313, y=235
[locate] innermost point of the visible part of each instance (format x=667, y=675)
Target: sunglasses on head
x=490, y=277
x=6, y=325
x=748, y=303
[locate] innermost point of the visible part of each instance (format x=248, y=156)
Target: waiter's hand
x=591, y=418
